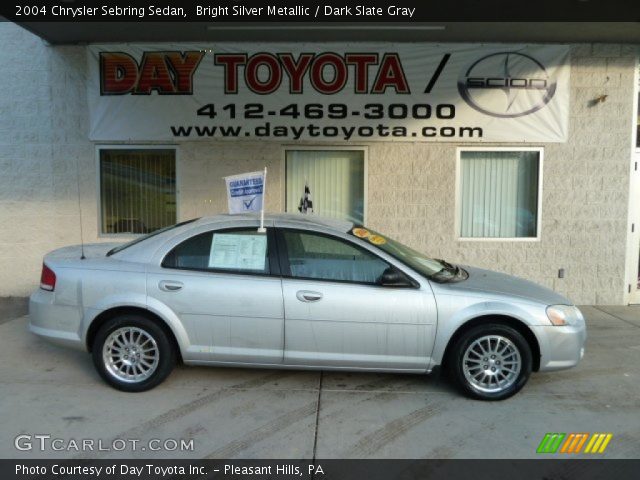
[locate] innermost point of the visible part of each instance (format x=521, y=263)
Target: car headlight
x=561, y=315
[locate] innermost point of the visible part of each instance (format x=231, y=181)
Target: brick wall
x=44, y=147
x=26, y=159
x=584, y=199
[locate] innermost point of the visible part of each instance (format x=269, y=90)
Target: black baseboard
x=13, y=307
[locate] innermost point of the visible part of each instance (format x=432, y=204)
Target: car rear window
x=124, y=246
x=232, y=250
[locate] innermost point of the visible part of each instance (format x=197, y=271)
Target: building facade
x=575, y=230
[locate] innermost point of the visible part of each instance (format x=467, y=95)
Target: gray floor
x=241, y=413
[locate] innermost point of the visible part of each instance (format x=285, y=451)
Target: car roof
x=142, y=251
x=282, y=219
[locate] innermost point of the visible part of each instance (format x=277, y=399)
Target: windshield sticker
x=377, y=239
x=361, y=232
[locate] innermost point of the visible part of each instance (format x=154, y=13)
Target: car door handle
x=308, y=296
x=169, y=286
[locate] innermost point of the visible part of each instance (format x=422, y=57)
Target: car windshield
x=430, y=267
x=142, y=238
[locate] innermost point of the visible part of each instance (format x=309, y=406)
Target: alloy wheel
x=491, y=363
x=130, y=354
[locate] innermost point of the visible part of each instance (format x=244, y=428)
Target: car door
x=337, y=314
x=225, y=287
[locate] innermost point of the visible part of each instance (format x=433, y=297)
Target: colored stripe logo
x=574, y=443
x=598, y=443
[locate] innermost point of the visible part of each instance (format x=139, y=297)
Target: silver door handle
x=308, y=296
x=169, y=286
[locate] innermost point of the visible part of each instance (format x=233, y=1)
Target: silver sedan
x=307, y=293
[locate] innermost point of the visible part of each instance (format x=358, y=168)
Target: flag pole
x=264, y=197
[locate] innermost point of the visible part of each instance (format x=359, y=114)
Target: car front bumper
x=56, y=323
x=560, y=347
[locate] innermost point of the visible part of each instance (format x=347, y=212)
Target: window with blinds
x=137, y=190
x=335, y=181
x=498, y=194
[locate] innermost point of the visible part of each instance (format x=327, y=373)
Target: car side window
x=235, y=251
x=322, y=257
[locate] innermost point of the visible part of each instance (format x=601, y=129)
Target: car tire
x=490, y=362
x=133, y=353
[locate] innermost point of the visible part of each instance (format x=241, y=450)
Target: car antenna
x=82, y=257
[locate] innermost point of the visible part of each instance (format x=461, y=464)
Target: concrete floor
x=248, y=413
x=13, y=307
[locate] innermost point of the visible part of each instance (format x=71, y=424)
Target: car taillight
x=47, y=279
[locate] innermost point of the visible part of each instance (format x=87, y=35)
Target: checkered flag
x=306, y=204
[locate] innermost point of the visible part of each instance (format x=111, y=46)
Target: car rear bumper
x=55, y=323
x=560, y=347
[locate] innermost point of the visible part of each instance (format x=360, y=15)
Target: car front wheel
x=132, y=353
x=491, y=362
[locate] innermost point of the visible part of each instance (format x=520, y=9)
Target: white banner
x=329, y=92
x=245, y=192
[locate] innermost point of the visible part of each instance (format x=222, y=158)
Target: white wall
x=43, y=140
x=585, y=190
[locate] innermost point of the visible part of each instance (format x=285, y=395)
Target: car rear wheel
x=132, y=353
x=491, y=362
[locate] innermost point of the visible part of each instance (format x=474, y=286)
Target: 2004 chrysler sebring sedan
x=308, y=293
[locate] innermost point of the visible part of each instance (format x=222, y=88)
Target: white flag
x=245, y=192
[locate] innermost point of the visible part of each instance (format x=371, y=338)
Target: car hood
x=490, y=282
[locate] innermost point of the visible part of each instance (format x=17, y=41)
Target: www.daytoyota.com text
x=337, y=112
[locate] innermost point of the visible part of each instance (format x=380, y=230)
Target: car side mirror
x=393, y=277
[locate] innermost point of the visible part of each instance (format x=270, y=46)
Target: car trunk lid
x=74, y=252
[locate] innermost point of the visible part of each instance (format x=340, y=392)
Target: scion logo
x=506, y=85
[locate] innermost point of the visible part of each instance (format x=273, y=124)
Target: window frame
x=272, y=254
x=361, y=148
x=137, y=146
x=635, y=134
x=285, y=268
x=458, y=194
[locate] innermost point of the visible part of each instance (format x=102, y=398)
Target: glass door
x=634, y=290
